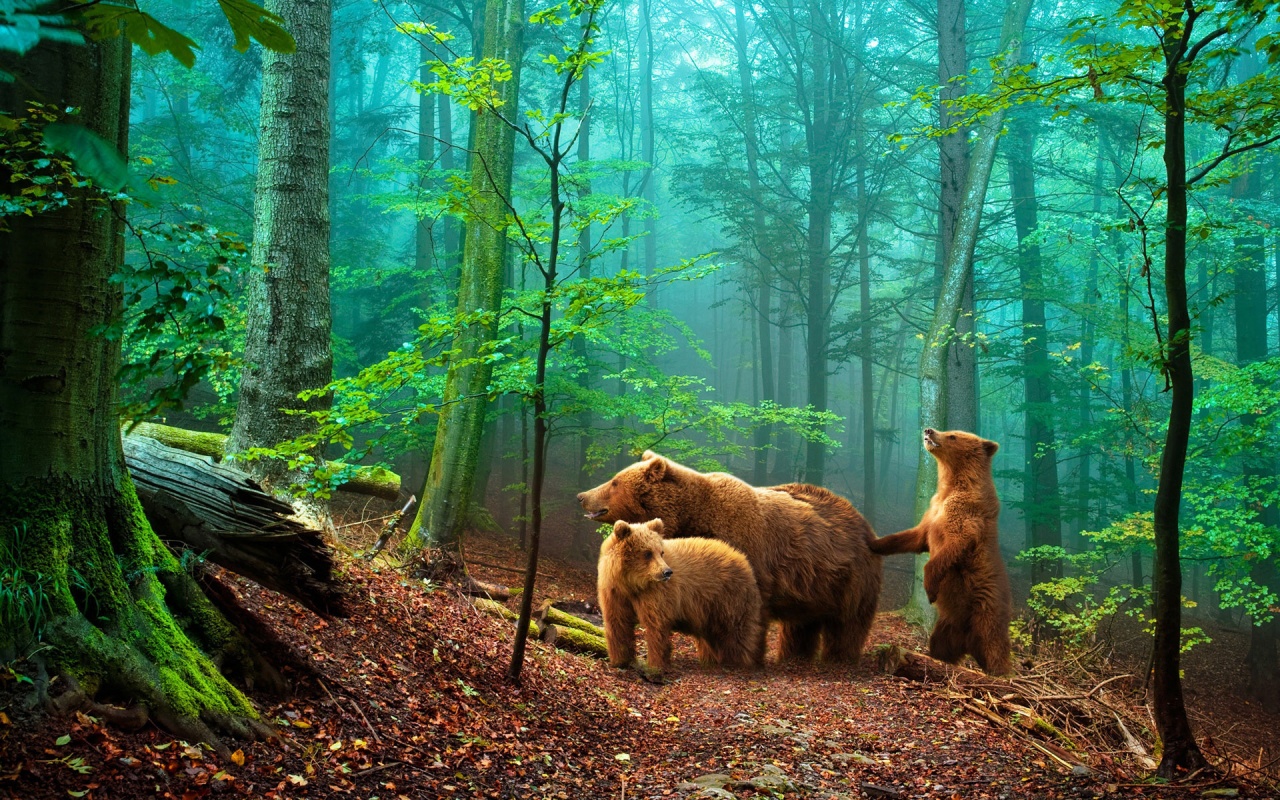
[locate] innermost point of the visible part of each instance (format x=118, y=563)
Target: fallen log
x=549, y=614
x=219, y=513
x=496, y=609
x=374, y=481
x=575, y=640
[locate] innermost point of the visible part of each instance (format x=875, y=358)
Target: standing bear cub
x=965, y=575
x=808, y=547
x=695, y=586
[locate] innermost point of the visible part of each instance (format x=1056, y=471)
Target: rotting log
x=219, y=513
x=493, y=591
x=574, y=639
x=496, y=609
x=374, y=481
x=549, y=614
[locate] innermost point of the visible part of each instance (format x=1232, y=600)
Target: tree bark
x=441, y=518
x=934, y=400
x=288, y=326
x=764, y=296
x=1259, y=467
x=120, y=611
x=1040, y=478
x=1179, y=749
x=953, y=167
x=649, y=189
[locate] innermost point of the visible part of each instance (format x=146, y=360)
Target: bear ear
x=657, y=526
x=990, y=446
x=655, y=469
x=621, y=529
x=649, y=455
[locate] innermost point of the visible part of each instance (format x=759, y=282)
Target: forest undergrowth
x=408, y=699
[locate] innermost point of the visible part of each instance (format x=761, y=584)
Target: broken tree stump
x=374, y=481
x=219, y=513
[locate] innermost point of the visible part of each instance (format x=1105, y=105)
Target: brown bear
x=809, y=548
x=700, y=587
x=965, y=575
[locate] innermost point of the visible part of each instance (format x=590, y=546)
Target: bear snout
x=666, y=574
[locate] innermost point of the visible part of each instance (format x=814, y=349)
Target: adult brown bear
x=809, y=548
x=965, y=575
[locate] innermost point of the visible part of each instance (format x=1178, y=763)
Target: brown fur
x=809, y=548
x=696, y=586
x=965, y=575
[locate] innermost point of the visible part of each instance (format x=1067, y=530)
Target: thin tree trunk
x=450, y=228
x=764, y=296
x=447, y=494
x=864, y=338
x=584, y=535
x=1179, y=746
x=648, y=183
x=288, y=322
x=424, y=254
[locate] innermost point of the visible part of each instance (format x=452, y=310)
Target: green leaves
x=94, y=157
x=249, y=21
x=106, y=20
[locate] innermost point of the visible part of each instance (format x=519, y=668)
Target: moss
x=494, y=608
x=580, y=641
x=565, y=620
x=99, y=545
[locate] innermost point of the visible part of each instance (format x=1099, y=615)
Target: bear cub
x=699, y=587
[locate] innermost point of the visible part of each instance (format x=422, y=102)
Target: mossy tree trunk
x=447, y=493
x=934, y=399
x=288, y=327
x=121, y=615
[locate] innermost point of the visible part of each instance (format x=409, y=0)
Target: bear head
x=624, y=496
x=636, y=554
x=958, y=449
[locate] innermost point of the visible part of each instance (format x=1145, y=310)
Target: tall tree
x=288, y=323
x=1259, y=467
x=953, y=168
x=447, y=493
x=764, y=294
x=1040, y=476
x=934, y=400
x=120, y=613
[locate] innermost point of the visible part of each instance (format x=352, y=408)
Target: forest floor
x=408, y=698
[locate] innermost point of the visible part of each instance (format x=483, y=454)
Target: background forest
x=774, y=239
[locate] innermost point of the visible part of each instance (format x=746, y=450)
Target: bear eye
x=952, y=436
x=648, y=555
x=613, y=482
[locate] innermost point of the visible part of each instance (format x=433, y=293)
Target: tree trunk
x=649, y=190
x=1040, y=479
x=582, y=532
x=823, y=125
x=934, y=401
x=764, y=296
x=120, y=612
x=1179, y=748
x=864, y=340
x=1259, y=466
x=447, y=494
x=953, y=167
x=424, y=251
x=451, y=263
x=288, y=326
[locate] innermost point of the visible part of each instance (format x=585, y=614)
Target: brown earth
x=408, y=700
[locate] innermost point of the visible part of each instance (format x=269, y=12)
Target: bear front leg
x=932, y=577
x=914, y=540
x=619, y=628
x=798, y=641
x=657, y=639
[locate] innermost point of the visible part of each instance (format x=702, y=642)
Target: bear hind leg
x=947, y=642
x=798, y=641
x=844, y=638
